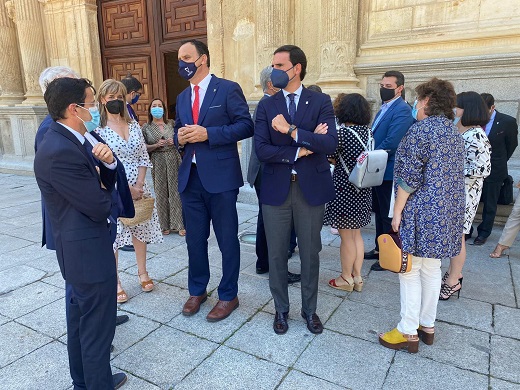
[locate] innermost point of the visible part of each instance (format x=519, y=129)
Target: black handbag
x=506, y=191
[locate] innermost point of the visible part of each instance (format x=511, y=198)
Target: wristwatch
x=291, y=129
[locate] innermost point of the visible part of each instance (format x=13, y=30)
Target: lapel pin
x=215, y=90
x=307, y=102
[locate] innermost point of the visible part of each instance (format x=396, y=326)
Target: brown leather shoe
x=192, y=305
x=222, y=310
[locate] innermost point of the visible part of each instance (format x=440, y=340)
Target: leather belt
x=294, y=177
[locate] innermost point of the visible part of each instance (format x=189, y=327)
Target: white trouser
x=420, y=290
x=512, y=225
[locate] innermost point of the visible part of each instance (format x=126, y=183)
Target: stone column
x=72, y=36
x=338, y=44
x=274, y=24
x=11, y=85
x=29, y=26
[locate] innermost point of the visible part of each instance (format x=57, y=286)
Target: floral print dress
x=132, y=154
x=429, y=165
x=476, y=168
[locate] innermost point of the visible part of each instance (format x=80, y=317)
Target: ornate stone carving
x=11, y=86
x=9, y=6
x=338, y=36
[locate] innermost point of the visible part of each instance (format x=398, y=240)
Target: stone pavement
x=477, y=341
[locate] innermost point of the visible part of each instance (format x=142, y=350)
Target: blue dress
x=430, y=166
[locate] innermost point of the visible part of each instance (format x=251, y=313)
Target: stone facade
x=349, y=45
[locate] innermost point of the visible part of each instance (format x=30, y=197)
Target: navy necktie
x=292, y=106
x=88, y=146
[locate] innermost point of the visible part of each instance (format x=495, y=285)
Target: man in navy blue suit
x=77, y=194
x=294, y=131
x=212, y=116
x=390, y=125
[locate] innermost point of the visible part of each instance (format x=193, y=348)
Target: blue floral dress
x=429, y=165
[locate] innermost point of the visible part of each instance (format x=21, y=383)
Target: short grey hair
x=55, y=72
x=265, y=76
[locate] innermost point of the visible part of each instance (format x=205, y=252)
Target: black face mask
x=115, y=106
x=386, y=94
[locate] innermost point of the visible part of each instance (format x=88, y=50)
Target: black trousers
x=490, y=194
x=381, y=196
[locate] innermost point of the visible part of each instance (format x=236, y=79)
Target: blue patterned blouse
x=429, y=165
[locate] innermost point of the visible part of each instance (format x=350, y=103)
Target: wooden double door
x=142, y=37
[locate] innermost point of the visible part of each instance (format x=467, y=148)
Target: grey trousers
x=512, y=225
x=308, y=221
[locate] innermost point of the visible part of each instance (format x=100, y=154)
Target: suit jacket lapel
x=67, y=134
x=303, y=107
x=208, y=97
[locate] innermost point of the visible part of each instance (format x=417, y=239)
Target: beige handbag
x=391, y=256
x=143, y=212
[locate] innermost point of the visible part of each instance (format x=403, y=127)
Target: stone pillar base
x=335, y=86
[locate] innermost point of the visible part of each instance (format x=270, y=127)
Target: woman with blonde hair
x=125, y=138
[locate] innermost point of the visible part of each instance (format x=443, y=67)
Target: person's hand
x=136, y=191
x=518, y=185
x=332, y=161
x=321, y=128
x=103, y=153
x=161, y=143
x=396, y=222
x=169, y=141
x=280, y=124
x=192, y=134
x=304, y=152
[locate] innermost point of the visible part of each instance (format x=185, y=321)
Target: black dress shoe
x=280, y=324
x=313, y=323
x=480, y=240
x=128, y=248
x=119, y=379
x=293, y=278
x=377, y=267
x=468, y=236
x=121, y=319
x=372, y=255
x=262, y=270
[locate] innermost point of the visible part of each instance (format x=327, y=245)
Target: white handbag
x=370, y=165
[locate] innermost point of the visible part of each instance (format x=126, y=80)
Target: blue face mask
x=188, y=69
x=415, y=111
x=92, y=124
x=136, y=98
x=457, y=118
x=280, y=79
x=157, y=112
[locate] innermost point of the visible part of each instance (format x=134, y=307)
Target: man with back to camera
x=502, y=132
x=254, y=178
x=212, y=116
x=294, y=131
x=390, y=125
x=77, y=194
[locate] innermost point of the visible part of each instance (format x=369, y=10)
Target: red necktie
x=195, y=108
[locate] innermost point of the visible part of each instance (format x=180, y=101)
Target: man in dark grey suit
x=254, y=178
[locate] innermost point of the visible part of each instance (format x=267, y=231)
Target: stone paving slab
x=346, y=362
x=165, y=357
x=27, y=299
x=131, y=332
x=507, y=321
x=19, y=276
x=413, y=372
x=281, y=349
x=299, y=380
x=229, y=369
x=505, y=358
x=44, y=368
x=497, y=384
x=17, y=341
x=466, y=312
x=49, y=319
